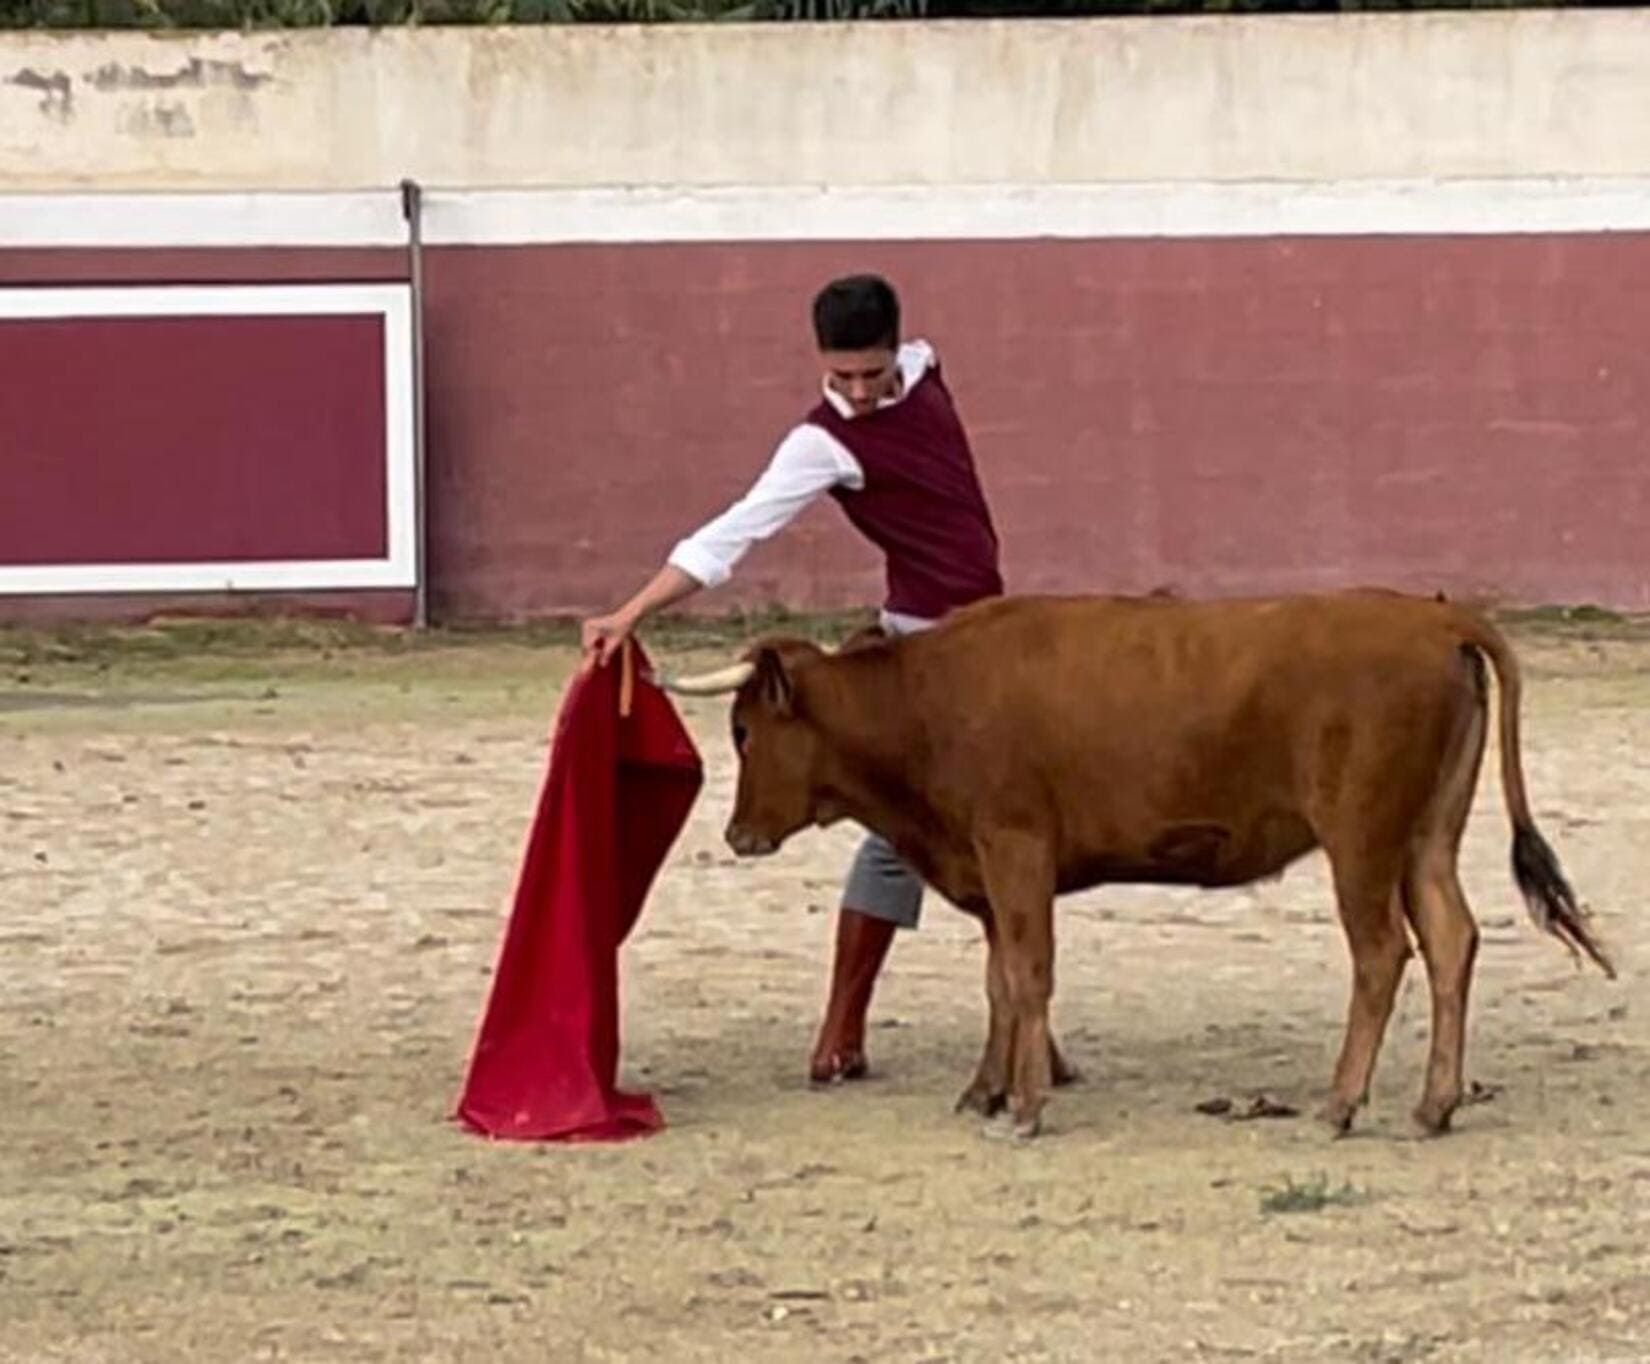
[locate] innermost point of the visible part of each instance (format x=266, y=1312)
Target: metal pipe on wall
x=412, y=210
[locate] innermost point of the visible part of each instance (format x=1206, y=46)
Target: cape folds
x=623, y=776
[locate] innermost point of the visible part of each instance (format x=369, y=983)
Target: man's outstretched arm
x=806, y=464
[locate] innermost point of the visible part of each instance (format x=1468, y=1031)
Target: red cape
x=623, y=776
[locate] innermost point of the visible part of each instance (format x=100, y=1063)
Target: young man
x=887, y=444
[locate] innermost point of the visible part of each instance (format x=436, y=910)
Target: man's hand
x=602, y=636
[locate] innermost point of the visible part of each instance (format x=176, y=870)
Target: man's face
x=863, y=377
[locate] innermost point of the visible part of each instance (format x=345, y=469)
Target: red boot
x=861, y=944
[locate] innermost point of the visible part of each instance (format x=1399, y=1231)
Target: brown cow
x=1033, y=746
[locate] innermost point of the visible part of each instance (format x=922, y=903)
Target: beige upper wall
x=1321, y=98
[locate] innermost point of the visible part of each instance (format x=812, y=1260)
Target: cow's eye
x=739, y=737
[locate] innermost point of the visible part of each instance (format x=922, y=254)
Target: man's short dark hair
x=857, y=312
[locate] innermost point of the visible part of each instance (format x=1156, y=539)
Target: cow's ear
x=773, y=680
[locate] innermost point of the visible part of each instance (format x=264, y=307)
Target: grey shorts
x=879, y=883
x=882, y=886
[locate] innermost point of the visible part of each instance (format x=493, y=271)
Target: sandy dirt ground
x=249, y=904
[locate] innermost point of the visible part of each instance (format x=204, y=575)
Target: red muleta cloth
x=623, y=776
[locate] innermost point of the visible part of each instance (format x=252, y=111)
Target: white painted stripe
x=802, y=213
x=48, y=220
x=1008, y=211
x=206, y=300
x=396, y=568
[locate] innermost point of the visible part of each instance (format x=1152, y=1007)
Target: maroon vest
x=921, y=504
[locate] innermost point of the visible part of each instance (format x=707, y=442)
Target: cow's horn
x=710, y=684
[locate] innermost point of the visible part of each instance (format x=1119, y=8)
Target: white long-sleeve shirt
x=808, y=462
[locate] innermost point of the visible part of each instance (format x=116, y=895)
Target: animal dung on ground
x=1258, y=1107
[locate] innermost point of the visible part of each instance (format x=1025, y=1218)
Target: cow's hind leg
x=1443, y=921
x=1369, y=896
x=1449, y=944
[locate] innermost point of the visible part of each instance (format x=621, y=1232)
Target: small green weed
x=1313, y=1196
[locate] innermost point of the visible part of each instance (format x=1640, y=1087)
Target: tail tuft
x=1552, y=904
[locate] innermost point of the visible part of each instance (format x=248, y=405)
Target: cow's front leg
x=1018, y=869
x=989, y=1090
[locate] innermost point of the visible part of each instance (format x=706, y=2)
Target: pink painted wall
x=1214, y=416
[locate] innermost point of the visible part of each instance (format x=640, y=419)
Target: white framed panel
x=396, y=568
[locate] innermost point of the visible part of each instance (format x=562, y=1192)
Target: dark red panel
x=192, y=439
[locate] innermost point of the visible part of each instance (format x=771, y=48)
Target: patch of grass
x=1312, y=1196
x=257, y=635
x=165, y=639
x=294, y=665
x=743, y=627
x=262, y=646
x=1581, y=621
x=1585, y=613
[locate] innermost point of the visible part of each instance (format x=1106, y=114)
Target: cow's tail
x=1551, y=901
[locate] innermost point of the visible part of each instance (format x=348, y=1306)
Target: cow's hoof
x=982, y=1099
x=836, y=1067
x=1433, y=1118
x=1005, y=1127
x=1337, y=1116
